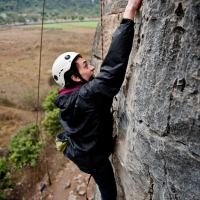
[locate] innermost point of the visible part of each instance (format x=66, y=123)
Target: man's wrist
x=129, y=12
x=131, y=8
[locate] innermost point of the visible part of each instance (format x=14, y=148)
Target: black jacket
x=85, y=114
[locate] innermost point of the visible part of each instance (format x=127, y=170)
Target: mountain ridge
x=87, y=8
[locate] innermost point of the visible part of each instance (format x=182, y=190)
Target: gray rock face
x=157, y=111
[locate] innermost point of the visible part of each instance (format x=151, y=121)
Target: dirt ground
x=19, y=74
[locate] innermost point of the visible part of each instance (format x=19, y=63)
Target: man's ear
x=75, y=78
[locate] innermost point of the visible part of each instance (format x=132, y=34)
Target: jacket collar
x=69, y=90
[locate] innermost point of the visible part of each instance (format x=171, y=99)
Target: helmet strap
x=82, y=79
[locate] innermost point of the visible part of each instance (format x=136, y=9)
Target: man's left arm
x=108, y=82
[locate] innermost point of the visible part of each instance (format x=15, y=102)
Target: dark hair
x=69, y=83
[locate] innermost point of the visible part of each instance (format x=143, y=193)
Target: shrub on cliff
x=50, y=121
x=25, y=146
x=4, y=178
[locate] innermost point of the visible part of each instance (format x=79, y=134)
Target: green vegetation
x=12, y=17
x=70, y=25
x=4, y=178
x=50, y=120
x=48, y=105
x=3, y=196
x=81, y=18
x=85, y=24
x=25, y=146
x=54, y=9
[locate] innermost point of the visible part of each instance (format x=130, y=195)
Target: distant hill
x=53, y=8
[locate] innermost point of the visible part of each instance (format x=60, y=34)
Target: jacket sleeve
x=108, y=82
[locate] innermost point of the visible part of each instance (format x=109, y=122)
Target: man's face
x=85, y=70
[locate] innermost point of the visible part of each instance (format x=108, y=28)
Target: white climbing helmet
x=61, y=65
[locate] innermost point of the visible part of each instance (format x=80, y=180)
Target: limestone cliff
x=157, y=111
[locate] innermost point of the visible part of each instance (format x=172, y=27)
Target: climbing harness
x=61, y=141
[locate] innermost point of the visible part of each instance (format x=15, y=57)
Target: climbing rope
x=101, y=11
x=38, y=88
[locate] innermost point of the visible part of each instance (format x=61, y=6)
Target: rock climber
x=85, y=101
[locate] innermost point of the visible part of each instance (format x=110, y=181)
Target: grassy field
x=70, y=25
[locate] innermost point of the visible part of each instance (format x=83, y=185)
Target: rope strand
x=101, y=10
x=38, y=96
x=40, y=60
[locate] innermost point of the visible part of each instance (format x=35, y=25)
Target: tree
x=35, y=19
x=81, y=18
x=9, y=20
x=2, y=19
x=20, y=19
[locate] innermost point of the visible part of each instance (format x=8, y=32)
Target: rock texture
x=157, y=111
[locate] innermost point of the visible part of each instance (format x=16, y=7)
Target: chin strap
x=83, y=80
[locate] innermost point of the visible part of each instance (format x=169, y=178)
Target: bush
x=48, y=105
x=3, y=196
x=20, y=19
x=25, y=146
x=4, y=175
x=4, y=178
x=35, y=18
x=1, y=19
x=50, y=121
x=81, y=18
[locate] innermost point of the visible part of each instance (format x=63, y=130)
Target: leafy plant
x=48, y=105
x=50, y=120
x=81, y=18
x=3, y=196
x=25, y=146
x=4, y=178
x=4, y=174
